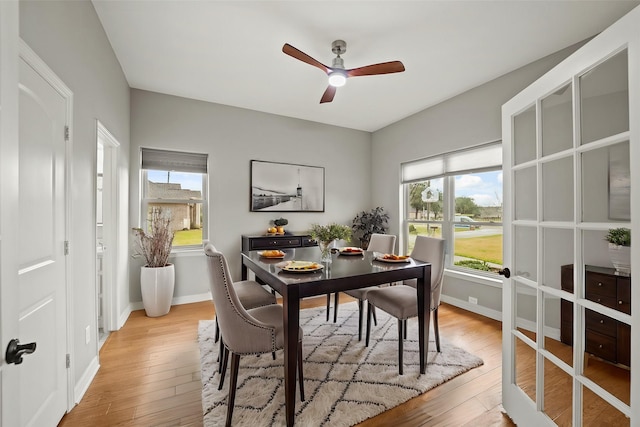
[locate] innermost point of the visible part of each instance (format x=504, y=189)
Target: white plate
x=302, y=267
x=344, y=251
x=271, y=257
x=380, y=258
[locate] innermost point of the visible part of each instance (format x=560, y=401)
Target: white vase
x=621, y=258
x=157, y=289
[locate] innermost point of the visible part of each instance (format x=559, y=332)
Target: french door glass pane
x=557, y=251
x=525, y=368
x=553, y=317
x=604, y=99
x=598, y=412
x=557, y=183
x=558, y=394
x=524, y=136
x=606, y=184
x=557, y=119
x=526, y=312
x=525, y=194
x=526, y=252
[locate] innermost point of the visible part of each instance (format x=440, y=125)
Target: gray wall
x=233, y=137
x=70, y=39
x=471, y=118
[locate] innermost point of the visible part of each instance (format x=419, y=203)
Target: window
x=458, y=197
x=176, y=181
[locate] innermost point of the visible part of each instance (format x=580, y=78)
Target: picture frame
x=286, y=187
x=619, y=184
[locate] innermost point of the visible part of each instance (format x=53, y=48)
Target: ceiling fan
x=337, y=73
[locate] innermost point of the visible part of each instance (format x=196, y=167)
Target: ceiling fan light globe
x=337, y=79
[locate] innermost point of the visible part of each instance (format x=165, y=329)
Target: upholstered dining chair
x=401, y=302
x=244, y=332
x=251, y=294
x=383, y=243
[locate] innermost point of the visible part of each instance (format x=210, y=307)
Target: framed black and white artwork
x=286, y=187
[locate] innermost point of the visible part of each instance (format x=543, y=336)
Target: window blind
x=177, y=161
x=455, y=163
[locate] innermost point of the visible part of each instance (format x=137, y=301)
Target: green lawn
x=187, y=237
x=484, y=248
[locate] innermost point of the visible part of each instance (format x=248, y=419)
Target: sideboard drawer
x=600, y=284
x=267, y=243
x=601, y=345
x=600, y=323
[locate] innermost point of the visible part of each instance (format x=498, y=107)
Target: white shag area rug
x=345, y=382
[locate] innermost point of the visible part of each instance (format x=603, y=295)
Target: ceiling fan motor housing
x=339, y=47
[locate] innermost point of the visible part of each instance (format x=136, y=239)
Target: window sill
x=186, y=252
x=477, y=278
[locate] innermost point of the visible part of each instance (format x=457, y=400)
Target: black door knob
x=505, y=272
x=15, y=351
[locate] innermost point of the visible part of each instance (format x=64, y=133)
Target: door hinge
x=66, y=247
x=68, y=360
x=66, y=133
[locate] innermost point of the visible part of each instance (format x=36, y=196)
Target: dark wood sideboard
x=605, y=337
x=284, y=241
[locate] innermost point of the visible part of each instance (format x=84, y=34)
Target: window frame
x=145, y=200
x=448, y=221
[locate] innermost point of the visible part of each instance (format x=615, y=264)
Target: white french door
x=568, y=142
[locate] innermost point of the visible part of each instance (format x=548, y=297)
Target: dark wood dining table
x=345, y=272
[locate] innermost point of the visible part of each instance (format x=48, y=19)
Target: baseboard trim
x=85, y=380
x=474, y=308
x=187, y=299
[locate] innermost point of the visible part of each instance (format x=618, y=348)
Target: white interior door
x=569, y=140
x=9, y=374
x=42, y=277
x=106, y=228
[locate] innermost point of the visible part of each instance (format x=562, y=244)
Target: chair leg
x=336, y=298
x=273, y=355
x=400, y=344
x=223, y=371
x=435, y=327
x=233, y=382
x=220, y=355
x=405, y=328
x=217, y=336
x=300, y=374
x=360, y=318
x=369, y=309
x=375, y=319
x=328, y=305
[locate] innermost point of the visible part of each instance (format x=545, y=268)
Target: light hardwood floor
x=150, y=375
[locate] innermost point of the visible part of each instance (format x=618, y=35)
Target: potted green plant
x=325, y=235
x=157, y=276
x=367, y=223
x=620, y=249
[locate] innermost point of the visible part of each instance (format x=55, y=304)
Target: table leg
x=291, y=319
x=243, y=272
x=424, y=315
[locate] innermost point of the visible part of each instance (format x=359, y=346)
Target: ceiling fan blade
x=300, y=55
x=328, y=94
x=382, y=68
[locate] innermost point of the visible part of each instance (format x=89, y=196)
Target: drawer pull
x=620, y=302
x=600, y=284
x=598, y=300
x=601, y=321
x=600, y=346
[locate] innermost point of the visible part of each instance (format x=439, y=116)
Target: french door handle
x=15, y=351
x=505, y=272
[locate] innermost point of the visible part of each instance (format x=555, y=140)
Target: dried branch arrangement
x=155, y=246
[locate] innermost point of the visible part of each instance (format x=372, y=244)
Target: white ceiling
x=230, y=52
